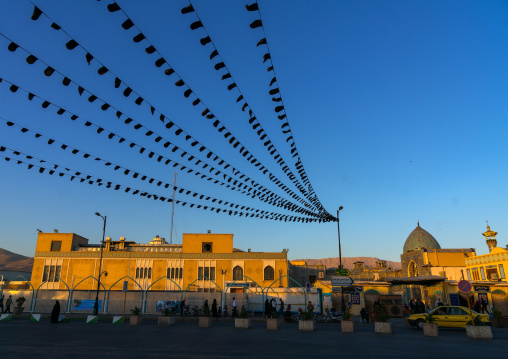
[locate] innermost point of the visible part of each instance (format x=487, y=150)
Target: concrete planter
x=383, y=327
x=347, y=326
x=17, y=311
x=136, y=320
x=166, y=321
x=242, y=323
x=307, y=325
x=430, y=330
x=273, y=324
x=479, y=332
x=205, y=322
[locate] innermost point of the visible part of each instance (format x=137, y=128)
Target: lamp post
x=343, y=306
x=96, y=305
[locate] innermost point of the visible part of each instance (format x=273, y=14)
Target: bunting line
x=257, y=127
x=66, y=81
x=72, y=44
x=285, y=127
x=109, y=184
x=271, y=198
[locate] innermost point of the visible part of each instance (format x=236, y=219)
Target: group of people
x=271, y=306
x=216, y=310
x=8, y=304
x=417, y=306
x=481, y=306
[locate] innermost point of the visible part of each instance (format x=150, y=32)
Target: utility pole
x=175, y=175
x=343, y=306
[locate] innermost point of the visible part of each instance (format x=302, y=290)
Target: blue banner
x=79, y=304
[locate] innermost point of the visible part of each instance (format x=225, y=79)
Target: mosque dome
x=420, y=239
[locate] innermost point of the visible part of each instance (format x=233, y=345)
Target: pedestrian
x=55, y=313
x=310, y=307
x=267, y=308
x=2, y=304
x=182, y=305
x=235, y=305
x=484, y=306
x=281, y=310
x=215, y=313
x=412, y=305
x=419, y=306
x=477, y=306
x=364, y=316
x=8, y=304
x=287, y=314
x=274, y=305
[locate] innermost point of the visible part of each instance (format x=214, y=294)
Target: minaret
x=490, y=237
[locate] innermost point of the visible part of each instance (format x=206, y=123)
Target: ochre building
x=202, y=263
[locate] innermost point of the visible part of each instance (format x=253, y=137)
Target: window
x=51, y=273
x=237, y=272
x=501, y=271
x=143, y=272
x=456, y=311
x=55, y=246
x=482, y=271
x=492, y=273
x=181, y=274
x=468, y=274
x=476, y=276
x=312, y=279
x=269, y=273
x=207, y=272
x=175, y=273
x=413, y=269
x=207, y=247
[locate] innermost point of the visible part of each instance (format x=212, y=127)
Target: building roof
x=420, y=239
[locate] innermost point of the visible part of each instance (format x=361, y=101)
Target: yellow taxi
x=447, y=316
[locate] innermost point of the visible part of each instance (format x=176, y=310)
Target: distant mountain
x=15, y=262
x=347, y=262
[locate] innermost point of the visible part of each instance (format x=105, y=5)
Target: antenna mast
x=175, y=177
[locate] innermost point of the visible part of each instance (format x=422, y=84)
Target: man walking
x=235, y=305
x=8, y=304
x=2, y=304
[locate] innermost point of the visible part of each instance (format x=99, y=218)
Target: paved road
x=22, y=339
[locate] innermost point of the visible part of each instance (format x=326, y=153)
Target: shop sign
x=355, y=298
x=481, y=288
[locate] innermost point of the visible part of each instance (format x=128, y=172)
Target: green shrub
x=244, y=314
x=206, y=311
x=20, y=301
x=347, y=315
x=382, y=317
x=273, y=314
x=167, y=312
x=136, y=311
x=497, y=314
x=430, y=318
x=306, y=316
x=477, y=322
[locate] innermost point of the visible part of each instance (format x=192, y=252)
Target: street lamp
x=343, y=306
x=96, y=305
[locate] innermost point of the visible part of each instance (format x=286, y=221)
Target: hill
x=15, y=262
x=347, y=262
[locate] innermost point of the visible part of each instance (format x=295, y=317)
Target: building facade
x=202, y=263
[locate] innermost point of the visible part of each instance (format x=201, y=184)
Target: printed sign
x=483, y=296
x=355, y=298
x=79, y=304
x=166, y=304
x=125, y=286
x=358, y=288
x=481, y=288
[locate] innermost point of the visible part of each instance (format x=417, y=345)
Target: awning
x=420, y=280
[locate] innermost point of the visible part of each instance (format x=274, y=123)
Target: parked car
x=447, y=316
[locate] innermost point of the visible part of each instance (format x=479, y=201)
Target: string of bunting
x=272, y=200
x=67, y=81
x=256, y=125
x=83, y=177
x=72, y=44
x=140, y=176
x=279, y=107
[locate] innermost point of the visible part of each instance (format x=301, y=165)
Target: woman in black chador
x=215, y=313
x=55, y=313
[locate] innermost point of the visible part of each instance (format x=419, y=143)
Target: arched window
x=237, y=272
x=413, y=269
x=269, y=273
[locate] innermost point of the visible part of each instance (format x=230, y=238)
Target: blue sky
x=398, y=109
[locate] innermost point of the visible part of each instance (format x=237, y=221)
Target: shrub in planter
x=382, y=326
x=346, y=324
x=167, y=319
x=243, y=321
x=497, y=319
x=306, y=322
x=136, y=317
x=430, y=329
x=480, y=330
x=19, y=308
